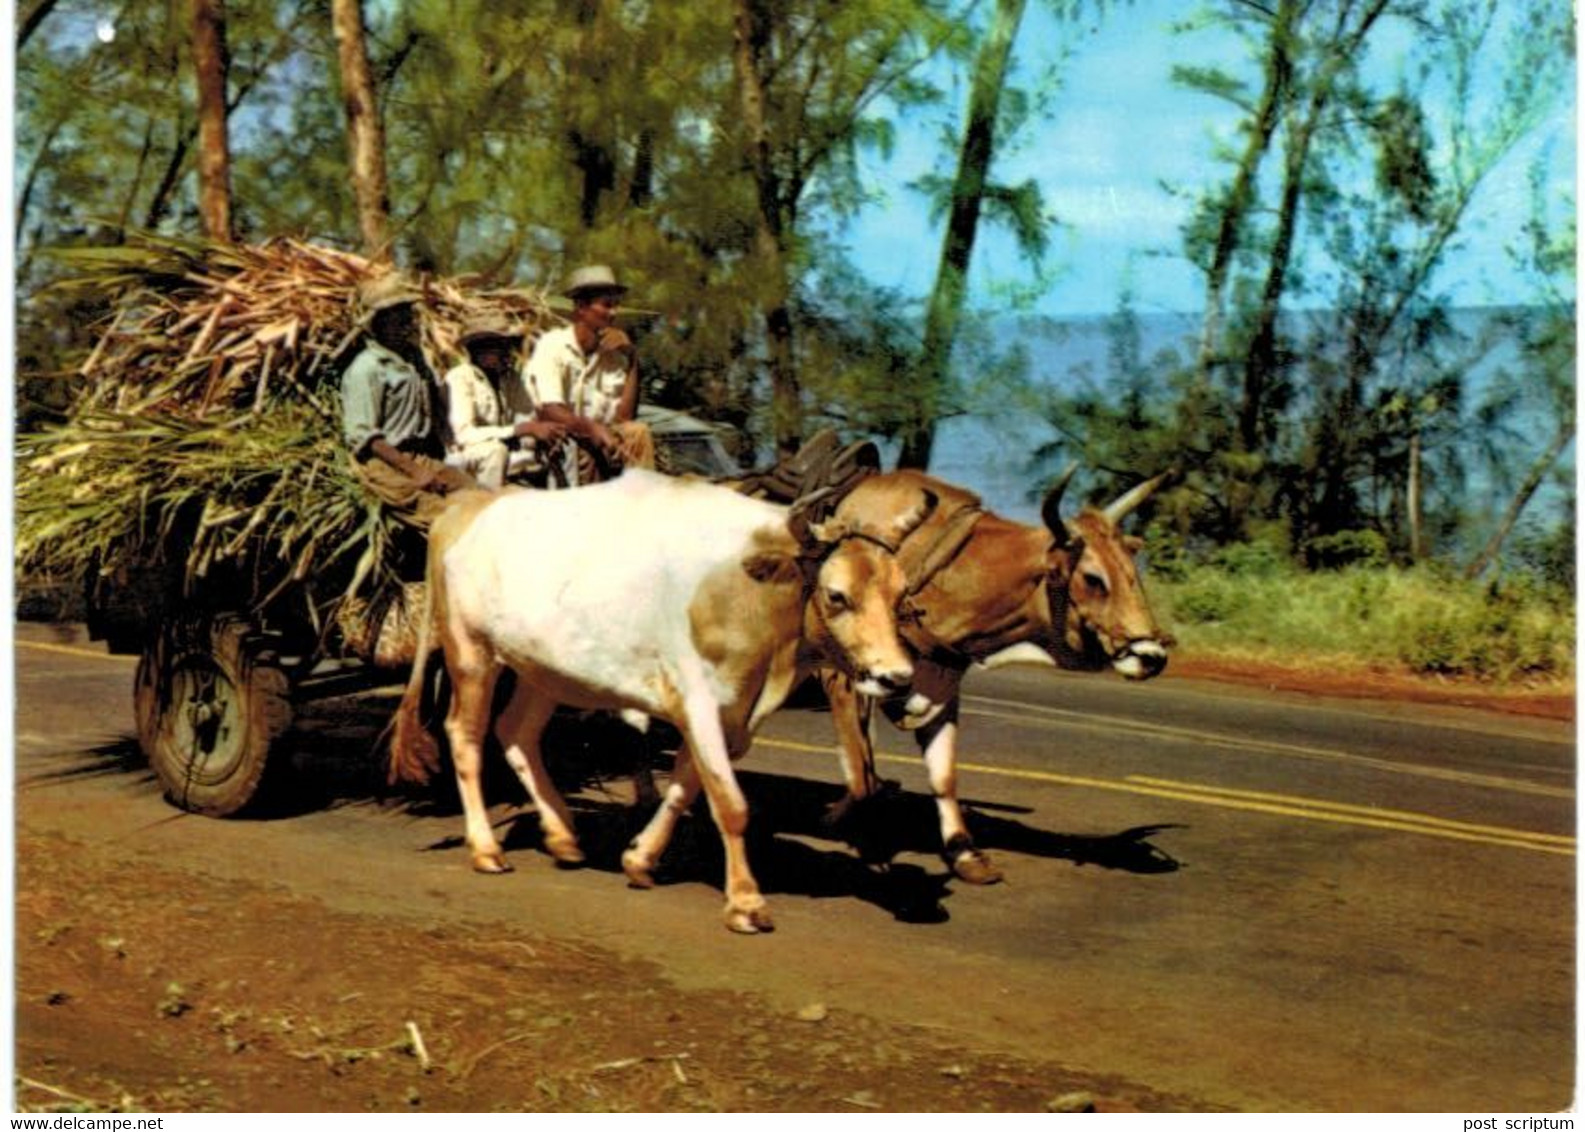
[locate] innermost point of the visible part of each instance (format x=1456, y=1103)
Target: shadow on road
x=122, y=757
x=335, y=758
x=795, y=849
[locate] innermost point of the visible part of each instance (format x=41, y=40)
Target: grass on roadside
x=1420, y=621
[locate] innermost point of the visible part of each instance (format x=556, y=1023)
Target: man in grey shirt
x=389, y=409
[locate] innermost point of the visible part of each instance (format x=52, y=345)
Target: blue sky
x=1116, y=131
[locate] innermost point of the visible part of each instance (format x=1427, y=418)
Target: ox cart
x=198, y=482
x=223, y=664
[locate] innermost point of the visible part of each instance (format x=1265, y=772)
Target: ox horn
x=1051, y=508
x=1120, y=507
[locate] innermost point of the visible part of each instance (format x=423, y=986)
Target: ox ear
x=1133, y=544
x=771, y=568
x=1051, y=508
x=800, y=518
x=1063, y=560
x=826, y=533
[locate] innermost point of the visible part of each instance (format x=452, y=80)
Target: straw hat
x=488, y=328
x=389, y=290
x=595, y=279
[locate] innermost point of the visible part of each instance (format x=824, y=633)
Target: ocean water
x=991, y=453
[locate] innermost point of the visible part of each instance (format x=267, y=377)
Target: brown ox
x=980, y=584
x=675, y=599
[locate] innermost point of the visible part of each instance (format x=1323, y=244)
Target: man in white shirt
x=483, y=436
x=584, y=376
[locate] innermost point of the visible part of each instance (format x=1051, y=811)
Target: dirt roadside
x=1549, y=702
x=167, y=991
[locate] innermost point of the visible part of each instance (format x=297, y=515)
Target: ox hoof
x=973, y=867
x=566, y=854
x=750, y=921
x=639, y=871
x=838, y=812
x=490, y=863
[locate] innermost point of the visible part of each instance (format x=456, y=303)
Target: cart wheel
x=210, y=698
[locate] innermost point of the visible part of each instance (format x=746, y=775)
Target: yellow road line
x=1376, y=812
x=1491, y=727
x=1514, y=839
x=1227, y=798
x=72, y=650
x=1253, y=802
x=1035, y=715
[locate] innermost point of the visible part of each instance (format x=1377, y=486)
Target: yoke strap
x=923, y=561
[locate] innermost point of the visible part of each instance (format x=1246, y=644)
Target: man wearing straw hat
x=389, y=414
x=585, y=376
x=483, y=438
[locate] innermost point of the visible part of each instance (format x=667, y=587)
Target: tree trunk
x=144, y=153
x=751, y=42
x=1412, y=497
x=210, y=66
x=1241, y=197
x=160, y=204
x=25, y=201
x=597, y=169
x=589, y=130
x=1532, y=483
x=365, y=137
x=641, y=188
x=30, y=22
x=186, y=135
x=1261, y=361
x=957, y=246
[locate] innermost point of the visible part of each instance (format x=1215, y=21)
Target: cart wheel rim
x=207, y=722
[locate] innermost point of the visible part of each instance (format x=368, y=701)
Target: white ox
x=676, y=599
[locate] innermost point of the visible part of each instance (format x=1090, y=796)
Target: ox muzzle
x=1140, y=659
x=878, y=682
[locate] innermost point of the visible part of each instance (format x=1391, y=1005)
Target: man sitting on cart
x=390, y=414
x=483, y=437
x=585, y=376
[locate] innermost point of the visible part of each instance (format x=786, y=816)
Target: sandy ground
x=281, y=1004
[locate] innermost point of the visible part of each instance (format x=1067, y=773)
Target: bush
x=1251, y=560
x=1205, y=597
x=1548, y=556
x=1346, y=548
x=1421, y=620
x=1438, y=644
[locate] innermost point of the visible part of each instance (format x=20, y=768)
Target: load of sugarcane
x=205, y=432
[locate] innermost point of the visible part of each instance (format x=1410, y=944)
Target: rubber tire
x=210, y=701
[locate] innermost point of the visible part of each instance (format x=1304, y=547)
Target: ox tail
x=414, y=753
x=414, y=756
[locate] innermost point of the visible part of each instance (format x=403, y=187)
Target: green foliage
x=525, y=136
x=1205, y=598
x=1248, y=560
x=108, y=490
x=522, y=138
x=857, y=346
x=1349, y=426
x=1548, y=554
x=1421, y=621
x=1347, y=548
x=1497, y=632
x=1403, y=154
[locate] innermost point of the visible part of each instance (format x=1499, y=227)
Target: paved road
x=1268, y=902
